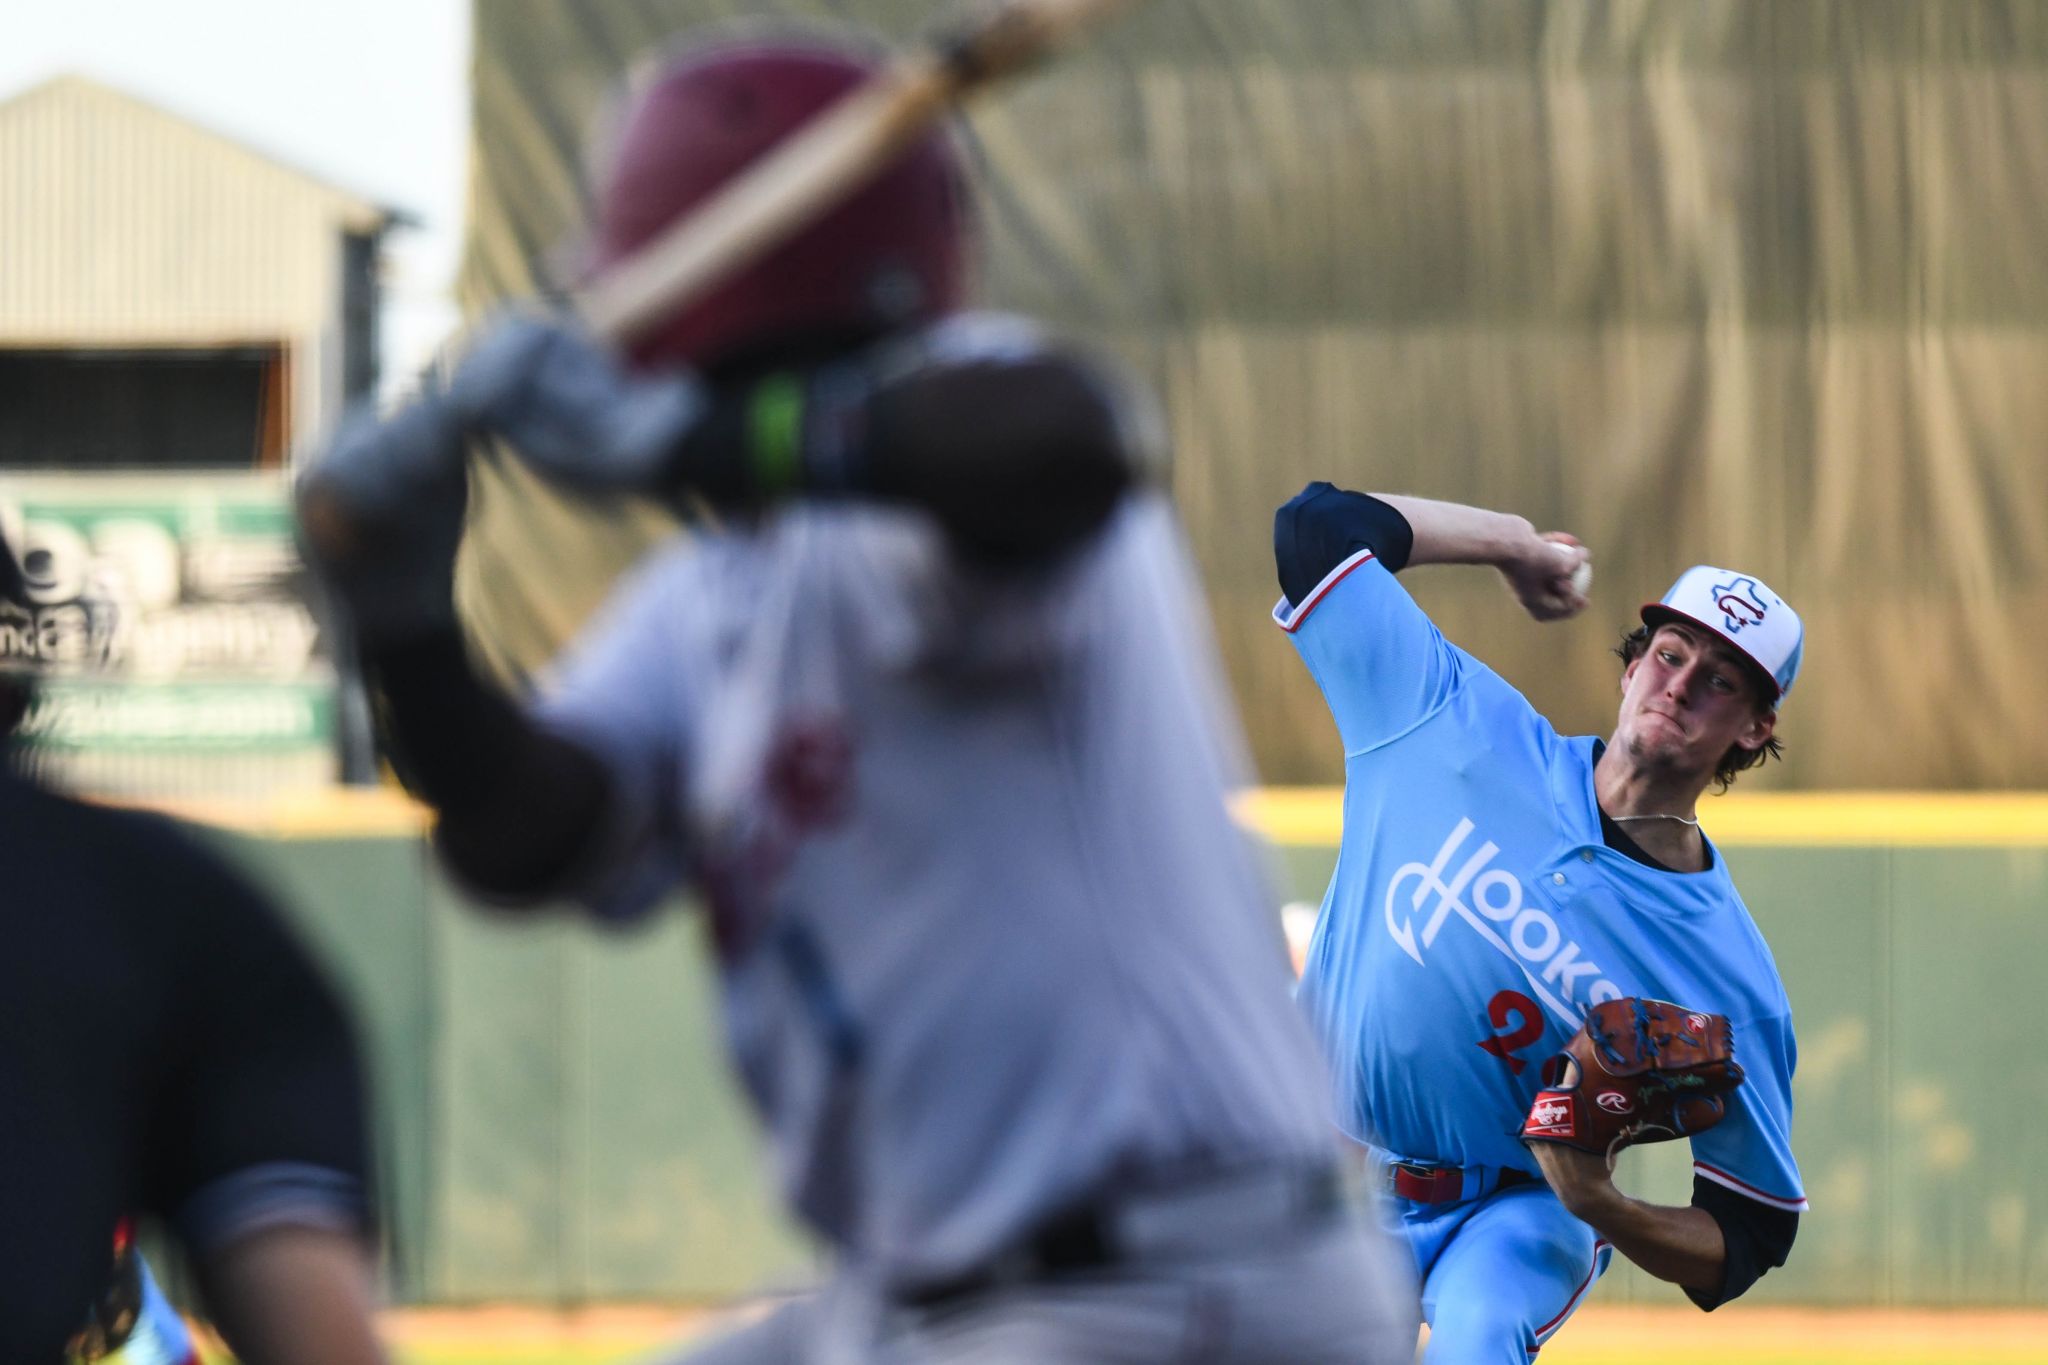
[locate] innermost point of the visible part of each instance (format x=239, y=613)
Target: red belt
x=1447, y=1184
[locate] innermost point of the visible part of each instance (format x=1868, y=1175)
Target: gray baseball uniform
x=991, y=944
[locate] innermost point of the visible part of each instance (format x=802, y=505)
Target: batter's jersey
x=1476, y=912
x=990, y=939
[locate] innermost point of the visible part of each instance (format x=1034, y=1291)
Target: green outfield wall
x=556, y=1120
x=557, y=1123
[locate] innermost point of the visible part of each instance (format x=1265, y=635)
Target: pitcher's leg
x=1502, y=1286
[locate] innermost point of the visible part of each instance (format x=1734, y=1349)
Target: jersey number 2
x=1513, y=1004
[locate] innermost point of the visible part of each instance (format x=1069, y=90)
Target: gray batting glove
x=380, y=516
x=572, y=410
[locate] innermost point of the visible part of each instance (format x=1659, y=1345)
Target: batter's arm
x=1016, y=454
x=1016, y=446
x=1682, y=1245
x=518, y=808
x=381, y=514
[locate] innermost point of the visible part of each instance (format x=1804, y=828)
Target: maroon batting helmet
x=891, y=254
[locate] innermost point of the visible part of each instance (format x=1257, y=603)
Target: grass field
x=1597, y=1336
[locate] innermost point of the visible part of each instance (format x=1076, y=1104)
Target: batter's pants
x=1335, y=1293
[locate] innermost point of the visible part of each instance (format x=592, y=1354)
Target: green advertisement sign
x=164, y=615
x=182, y=717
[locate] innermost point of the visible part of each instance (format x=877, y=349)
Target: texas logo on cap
x=1741, y=610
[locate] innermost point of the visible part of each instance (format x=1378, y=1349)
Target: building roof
x=82, y=94
x=133, y=226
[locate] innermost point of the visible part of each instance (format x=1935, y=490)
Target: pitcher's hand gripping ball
x=1636, y=1071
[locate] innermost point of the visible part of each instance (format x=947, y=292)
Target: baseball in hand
x=1582, y=574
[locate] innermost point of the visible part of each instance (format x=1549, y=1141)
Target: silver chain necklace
x=1625, y=819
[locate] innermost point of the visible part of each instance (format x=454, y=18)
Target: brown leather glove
x=1636, y=1071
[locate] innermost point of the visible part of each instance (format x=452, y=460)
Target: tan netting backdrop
x=1762, y=282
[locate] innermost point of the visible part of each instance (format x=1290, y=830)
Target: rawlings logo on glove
x=1636, y=1071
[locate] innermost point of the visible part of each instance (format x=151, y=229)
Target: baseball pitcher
x=1537, y=926
x=931, y=727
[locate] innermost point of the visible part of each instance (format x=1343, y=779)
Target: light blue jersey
x=1476, y=912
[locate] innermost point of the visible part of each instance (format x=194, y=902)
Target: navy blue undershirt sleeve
x=1323, y=525
x=1757, y=1237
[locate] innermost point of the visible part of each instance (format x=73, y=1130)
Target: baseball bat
x=827, y=160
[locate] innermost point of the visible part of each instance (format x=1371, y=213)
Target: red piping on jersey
x=1721, y=1177
x=1292, y=623
x=1573, y=1301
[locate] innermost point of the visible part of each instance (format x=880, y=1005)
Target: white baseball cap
x=1741, y=610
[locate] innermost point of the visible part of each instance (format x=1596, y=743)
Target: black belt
x=1092, y=1236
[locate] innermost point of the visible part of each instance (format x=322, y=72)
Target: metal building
x=179, y=315
x=168, y=296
